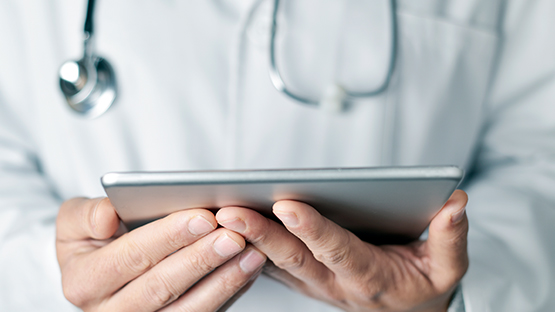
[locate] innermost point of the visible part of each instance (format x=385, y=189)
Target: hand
x=166, y=263
x=322, y=260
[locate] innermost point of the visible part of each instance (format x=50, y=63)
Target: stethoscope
x=89, y=84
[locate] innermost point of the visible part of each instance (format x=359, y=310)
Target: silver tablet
x=382, y=202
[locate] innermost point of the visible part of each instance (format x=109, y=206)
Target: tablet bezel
x=140, y=197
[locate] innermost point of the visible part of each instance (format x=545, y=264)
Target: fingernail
x=93, y=217
x=458, y=216
x=236, y=225
x=251, y=261
x=225, y=246
x=288, y=218
x=199, y=226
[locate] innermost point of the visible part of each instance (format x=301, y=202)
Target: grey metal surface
x=392, y=201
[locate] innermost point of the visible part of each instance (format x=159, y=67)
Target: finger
x=215, y=291
x=284, y=277
x=240, y=293
x=284, y=249
x=82, y=218
x=447, y=244
x=170, y=278
x=135, y=253
x=338, y=249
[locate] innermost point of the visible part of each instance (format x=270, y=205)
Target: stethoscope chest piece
x=89, y=85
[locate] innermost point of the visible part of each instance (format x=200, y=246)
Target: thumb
x=447, y=242
x=83, y=218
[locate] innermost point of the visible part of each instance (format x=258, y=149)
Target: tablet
x=381, y=202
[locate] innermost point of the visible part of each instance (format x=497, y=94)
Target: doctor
x=473, y=85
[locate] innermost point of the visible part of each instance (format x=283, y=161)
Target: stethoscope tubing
x=279, y=84
x=92, y=101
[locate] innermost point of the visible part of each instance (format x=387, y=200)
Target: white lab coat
x=474, y=86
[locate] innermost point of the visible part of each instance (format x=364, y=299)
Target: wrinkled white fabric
x=474, y=86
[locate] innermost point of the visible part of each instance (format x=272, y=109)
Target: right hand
x=181, y=262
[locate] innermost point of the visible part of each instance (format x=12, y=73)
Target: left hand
x=322, y=260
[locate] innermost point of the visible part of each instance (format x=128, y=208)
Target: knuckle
x=132, y=259
x=259, y=233
x=73, y=295
x=338, y=253
x=174, y=237
x=74, y=292
x=336, y=256
x=311, y=233
x=291, y=261
x=327, y=235
x=200, y=263
x=158, y=291
x=230, y=284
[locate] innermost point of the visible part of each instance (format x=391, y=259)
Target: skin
x=165, y=265
x=317, y=257
x=178, y=263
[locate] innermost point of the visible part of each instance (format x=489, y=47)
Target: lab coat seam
x=485, y=108
x=388, y=137
x=235, y=86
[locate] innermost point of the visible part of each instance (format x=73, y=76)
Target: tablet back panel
x=395, y=201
